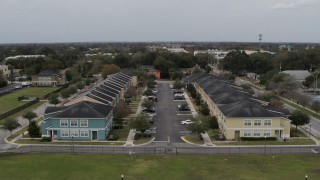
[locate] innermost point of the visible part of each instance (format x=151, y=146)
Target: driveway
x=168, y=119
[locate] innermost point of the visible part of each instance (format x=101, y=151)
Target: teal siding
x=102, y=126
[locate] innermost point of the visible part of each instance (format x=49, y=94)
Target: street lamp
x=306, y=177
x=310, y=131
x=265, y=144
x=122, y=177
x=72, y=144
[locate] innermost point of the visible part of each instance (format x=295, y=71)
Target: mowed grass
x=101, y=166
x=10, y=101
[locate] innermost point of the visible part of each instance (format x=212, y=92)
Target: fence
x=165, y=150
x=15, y=110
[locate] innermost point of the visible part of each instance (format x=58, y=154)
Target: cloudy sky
x=25, y=21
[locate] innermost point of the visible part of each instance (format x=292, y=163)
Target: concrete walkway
x=130, y=138
x=307, y=134
x=24, y=122
x=190, y=104
x=206, y=139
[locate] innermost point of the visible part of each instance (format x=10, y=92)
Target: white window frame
x=257, y=120
x=246, y=122
x=247, y=132
x=84, y=131
x=73, y=120
x=267, y=132
x=267, y=120
x=74, y=133
x=256, y=131
x=62, y=133
x=81, y=120
x=64, y=120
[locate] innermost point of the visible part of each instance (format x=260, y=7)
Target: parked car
x=151, y=110
x=188, y=121
x=152, y=98
x=178, y=92
x=152, y=119
x=184, y=107
x=179, y=97
x=154, y=91
x=18, y=87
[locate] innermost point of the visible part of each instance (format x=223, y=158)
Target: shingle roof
x=104, y=91
x=49, y=73
x=85, y=109
x=245, y=108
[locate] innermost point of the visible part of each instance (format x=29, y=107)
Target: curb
x=186, y=141
x=153, y=138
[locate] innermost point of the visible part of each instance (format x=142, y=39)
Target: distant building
x=23, y=56
x=48, y=78
x=177, y=50
x=4, y=70
x=151, y=70
x=298, y=75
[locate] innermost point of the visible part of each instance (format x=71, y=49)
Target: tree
x=34, y=129
x=199, y=125
x=148, y=104
x=109, y=69
x=309, y=81
x=132, y=91
x=299, y=118
x=120, y=111
x=208, y=69
x=30, y=116
x=274, y=103
x=53, y=99
x=236, y=61
x=140, y=123
x=151, y=83
x=178, y=84
x=10, y=124
x=213, y=122
x=148, y=92
x=316, y=106
x=177, y=75
x=204, y=110
x=3, y=81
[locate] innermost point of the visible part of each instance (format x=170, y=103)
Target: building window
x=83, y=123
x=64, y=133
x=257, y=122
x=63, y=123
x=74, y=133
x=247, y=133
x=256, y=133
x=247, y=122
x=84, y=133
x=267, y=133
x=267, y=122
x=73, y=123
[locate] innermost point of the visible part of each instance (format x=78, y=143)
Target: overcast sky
x=26, y=21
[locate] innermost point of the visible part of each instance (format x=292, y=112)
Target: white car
x=154, y=91
x=171, y=86
x=188, y=121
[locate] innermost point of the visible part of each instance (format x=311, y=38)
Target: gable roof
x=84, y=109
x=245, y=108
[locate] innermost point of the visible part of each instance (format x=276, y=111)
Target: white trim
x=74, y=130
x=248, y=130
x=64, y=120
x=244, y=123
x=254, y=122
x=84, y=120
x=71, y=122
x=256, y=131
x=84, y=131
x=267, y=120
x=94, y=129
x=64, y=131
x=254, y=128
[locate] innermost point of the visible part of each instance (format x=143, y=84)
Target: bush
x=268, y=96
x=33, y=129
x=46, y=139
x=113, y=137
x=258, y=139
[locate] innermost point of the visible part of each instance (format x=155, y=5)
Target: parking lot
x=168, y=120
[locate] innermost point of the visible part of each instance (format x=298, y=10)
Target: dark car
x=184, y=107
x=150, y=110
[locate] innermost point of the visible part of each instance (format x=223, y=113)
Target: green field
x=10, y=101
x=101, y=166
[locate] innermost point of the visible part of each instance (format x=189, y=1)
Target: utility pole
x=260, y=39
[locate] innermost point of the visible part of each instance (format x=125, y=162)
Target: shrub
x=258, y=139
x=268, y=96
x=33, y=129
x=46, y=139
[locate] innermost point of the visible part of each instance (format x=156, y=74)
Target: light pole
x=310, y=131
x=306, y=177
x=265, y=144
x=72, y=144
x=122, y=177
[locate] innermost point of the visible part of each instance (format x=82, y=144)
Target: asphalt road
x=168, y=122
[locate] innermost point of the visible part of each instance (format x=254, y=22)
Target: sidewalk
x=190, y=104
x=206, y=139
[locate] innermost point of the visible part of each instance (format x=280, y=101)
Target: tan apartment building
x=48, y=78
x=238, y=114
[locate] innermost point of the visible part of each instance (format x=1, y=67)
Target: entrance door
x=94, y=135
x=237, y=135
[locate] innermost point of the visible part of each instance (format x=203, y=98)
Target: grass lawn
x=97, y=166
x=122, y=133
x=290, y=142
x=11, y=100
x=194, y=139
x=142, y=141
x=37, y=141
x=30, y=108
